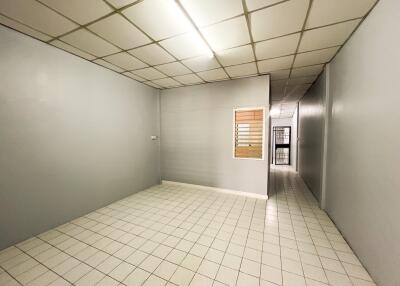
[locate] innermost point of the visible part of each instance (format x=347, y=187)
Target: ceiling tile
x=37, y=16
x=108, y=65
x=278, y=47
x=80, y=11
x=159, y=18
x=325, y=12
x=133, y=76
x=242, y=70
x=167, y=82
x=120, y=32
x=149, y=73
x=206, y=12
x=185, y=46
x=152, y=54
x=149, y=83
x=227, y=34
x=188, y=79
x=125, y=61
x=280, y=74
x=236, y=56
x=279, y=83
x=173, y=69
x=257, y=4
x=266, y=66
x=278, y=20
x=201, y=63
x=295, y=92
x=315, y=57
x=23, y=29
x=213, y=75
x=328, y=36
x=302, y=80
x=72, y=50
x=121, y=3
x=90, y=43
x=307, y=71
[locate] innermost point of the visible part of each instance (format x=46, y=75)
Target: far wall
x=292, y=122
x=197, y=135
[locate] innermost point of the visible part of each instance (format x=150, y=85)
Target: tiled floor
x=174, y=235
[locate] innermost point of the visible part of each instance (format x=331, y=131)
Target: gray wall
x=363, y=182
x=197, y=135
x=311, y=135
x=73, y=137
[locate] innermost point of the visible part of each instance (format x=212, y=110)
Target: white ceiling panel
x=133, y=76
x=280, y=74
x=160, y=19
x=80, y=11
x=108, y=65
x=282, y=63
x=278, y=47
x=125, y=61
x=167, y=82
x=120, y=32
x=185, y=46
x=285, y=18
x=328, y=36
x=307, y=71
x=201, y=63
x=121, y=3
x=90, y=43
x=188, y=79
x=37, y=16
x=152, y=84
x=173, y=69
x=227, y=34
x=72, y=50
x=242, y=70
x=149, y=73
x=206, y=12
x=166, y=43
x=213, y=75
x=302, y=80
x=258, y=4
x=236, y=56
x=315, y=57
x=23, y=28
x=325, y=12
x=152, y=54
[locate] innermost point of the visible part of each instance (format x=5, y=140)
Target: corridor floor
x=175, y=235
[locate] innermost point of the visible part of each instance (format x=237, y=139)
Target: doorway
x=281, y=145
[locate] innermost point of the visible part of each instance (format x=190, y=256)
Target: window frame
x=234, y=133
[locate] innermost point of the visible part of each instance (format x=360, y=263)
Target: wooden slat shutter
x=249, y=130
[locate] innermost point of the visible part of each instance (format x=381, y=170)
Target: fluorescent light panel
x=195, y=38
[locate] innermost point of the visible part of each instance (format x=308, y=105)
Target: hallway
x=179, y=235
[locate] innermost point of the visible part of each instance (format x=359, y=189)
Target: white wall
x=197, y=135
x=73, y=137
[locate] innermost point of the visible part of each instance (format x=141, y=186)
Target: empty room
x=199, y=142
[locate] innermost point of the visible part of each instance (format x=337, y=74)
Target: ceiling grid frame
x=246, y=14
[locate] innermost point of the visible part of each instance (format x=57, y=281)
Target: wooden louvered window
x=249, y=133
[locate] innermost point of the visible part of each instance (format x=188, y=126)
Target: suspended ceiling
x=166, y=44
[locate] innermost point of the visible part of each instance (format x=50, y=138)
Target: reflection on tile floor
x=174, y=235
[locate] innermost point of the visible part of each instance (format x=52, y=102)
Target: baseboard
x=226, y=191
